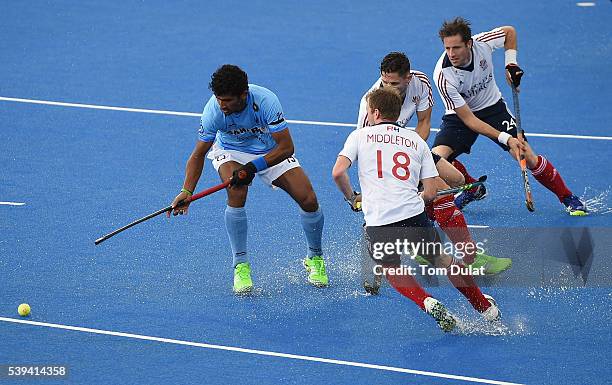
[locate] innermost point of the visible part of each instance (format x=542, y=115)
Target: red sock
x=468, y=287
x=407, y=286
x=461, y=168
x=550, y=178
x=452, y=222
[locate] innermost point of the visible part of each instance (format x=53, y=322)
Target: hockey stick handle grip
x=206, y=192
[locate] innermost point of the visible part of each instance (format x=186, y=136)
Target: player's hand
x=244, y=175
x=514, y=73
x=181, y=209
x=516, y=148
x=355, y=201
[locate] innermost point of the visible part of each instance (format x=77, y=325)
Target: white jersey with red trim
x=418, y=98
x=475, y=83
x=392, y=160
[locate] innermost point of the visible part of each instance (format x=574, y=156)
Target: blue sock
x=312, y=223
x=236, y=227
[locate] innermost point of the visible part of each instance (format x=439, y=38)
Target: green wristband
x=187, y=191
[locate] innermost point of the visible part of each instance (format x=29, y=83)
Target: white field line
x=257, y=352
x=12, y=203
x=306, y=122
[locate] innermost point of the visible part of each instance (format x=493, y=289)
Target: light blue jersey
x=248, y=130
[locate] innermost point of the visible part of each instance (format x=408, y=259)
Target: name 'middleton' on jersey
x=391, y=161
x=248, y=130
x=473, y=84
x=418, y=98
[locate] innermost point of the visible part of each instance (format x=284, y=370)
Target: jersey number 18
x=397, y=165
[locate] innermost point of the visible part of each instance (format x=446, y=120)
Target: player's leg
x=460, y=277
x=236, y=227
x=548, y=176
x=442, y=150
x=420, y=230
x=370, y=274
x=400, y=279
x=294, y=181
x=541, y=168
x=452, y=222
x=443, y=209
x=453, y=172
x=448, y=172
x=454, y=139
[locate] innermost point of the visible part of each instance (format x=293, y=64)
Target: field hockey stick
x=194, y=197
x=465, y=187
x=523, y=163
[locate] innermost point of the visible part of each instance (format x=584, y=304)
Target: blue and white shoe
x=465, y=197
x=574, y=206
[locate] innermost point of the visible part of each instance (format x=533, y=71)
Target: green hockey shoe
x=492, y=265
x=242, y=279
x=315, y=267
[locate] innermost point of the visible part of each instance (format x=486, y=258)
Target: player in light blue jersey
x=244, y=128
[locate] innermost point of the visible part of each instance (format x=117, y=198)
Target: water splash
x=470, y=326
x=597, y=203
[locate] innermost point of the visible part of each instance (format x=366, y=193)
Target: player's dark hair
x=229, y=80
x=387, y=101
x=457, y=26
x=395, y=62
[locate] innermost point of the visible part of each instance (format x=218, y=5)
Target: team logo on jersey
x=484, y=64
x=242, y=131
x=393, y=128
x=476, y=88
x=416, y=99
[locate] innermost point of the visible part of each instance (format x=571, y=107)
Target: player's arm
x=362, y=117
x=346, y=157
x=513, y=71
x=469, y=119
x=424, y=107
x=193, y=172
x=341, y=177
x=343, y=181
x=453, y=100
x=195, y=165
x=244, y=175
x=510, y=40
x=429, y=189
x=428, y=174
x=423, y=127
x=283, y=150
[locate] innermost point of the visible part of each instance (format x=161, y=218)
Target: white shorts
x=269, y=175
